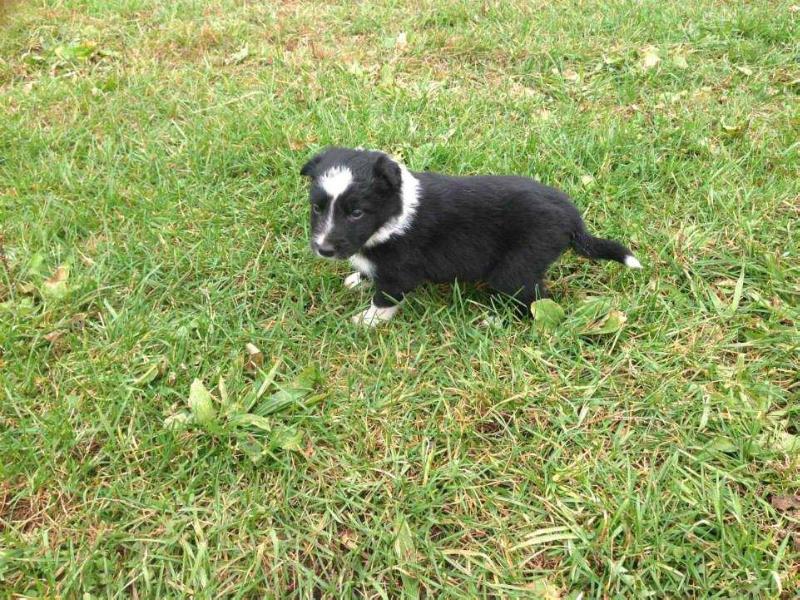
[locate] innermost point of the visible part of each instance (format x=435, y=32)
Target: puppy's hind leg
x=524, y=295
x=517, y=279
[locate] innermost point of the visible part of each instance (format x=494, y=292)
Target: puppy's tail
x=596, y=248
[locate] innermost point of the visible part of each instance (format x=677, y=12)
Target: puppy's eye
x=317, y=209
x=356, y=214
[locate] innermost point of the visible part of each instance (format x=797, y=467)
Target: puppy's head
x=353, y=194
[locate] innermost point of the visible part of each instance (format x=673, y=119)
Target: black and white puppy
x=401, y=228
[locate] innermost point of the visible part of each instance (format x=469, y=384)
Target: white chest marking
x=363, y=265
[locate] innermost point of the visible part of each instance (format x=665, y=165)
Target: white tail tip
x=632, y=262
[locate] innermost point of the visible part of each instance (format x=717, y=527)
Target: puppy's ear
x=387, y=172
x=310, y=168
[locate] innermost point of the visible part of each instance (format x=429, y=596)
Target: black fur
x=502, y=230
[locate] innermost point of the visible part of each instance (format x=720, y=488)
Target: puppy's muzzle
x=324, y=249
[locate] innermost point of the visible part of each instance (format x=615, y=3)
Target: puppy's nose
x=325, y=249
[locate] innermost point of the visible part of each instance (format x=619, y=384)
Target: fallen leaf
x=571, y=75
x=355, y=68
x=253, y=448
x=80, y=51
x=591, y=309
x=349, y=539
x=587, y=180
x=547, y=314
x=734, y=129
x=387, y=75
x=178, y=421
x=257, y=447
x=785, y=503
x=737, y=295
x=60, y=275
x=222, y=388
x=744, y=70
x=542, y=589
x=26, y=289
x=722, y=444
x=402, y=41
x=786, y=442
x=308, y=378
x=78, y=321
x=238, y=57
x=54, y=335
x=105, y=52
x=262, y=387
x=22, y=308
x=288, y=438
x=296, y=145
x=308, y=452
x=492, y=321
x=610, y=323
x=55, y=286
x=152, y=372
x=294, y=394
x=547, y=535
x=249, y=419
x=201, y=404
x=36, y=263
x=680, y=61
x=318, y=52
x=255, y=358
x=404, y=548
x=650, y=57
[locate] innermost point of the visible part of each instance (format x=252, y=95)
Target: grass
x=153, y=149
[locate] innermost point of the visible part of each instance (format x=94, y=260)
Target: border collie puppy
x=401, y=228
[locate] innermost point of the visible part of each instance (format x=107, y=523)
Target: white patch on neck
x=409, y=197
x=363, y=265
x=334, y=182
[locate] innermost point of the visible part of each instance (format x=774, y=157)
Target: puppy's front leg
x=355, y=280
x=384, y=306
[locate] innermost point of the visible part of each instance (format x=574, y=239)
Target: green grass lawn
x=154, y=223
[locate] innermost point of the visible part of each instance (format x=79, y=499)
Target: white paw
x=354, y=280
x=632, y=262
x=375, y=315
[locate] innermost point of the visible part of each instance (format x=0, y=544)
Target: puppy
x=401, y=228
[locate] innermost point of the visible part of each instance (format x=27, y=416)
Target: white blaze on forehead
x=334, y=182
